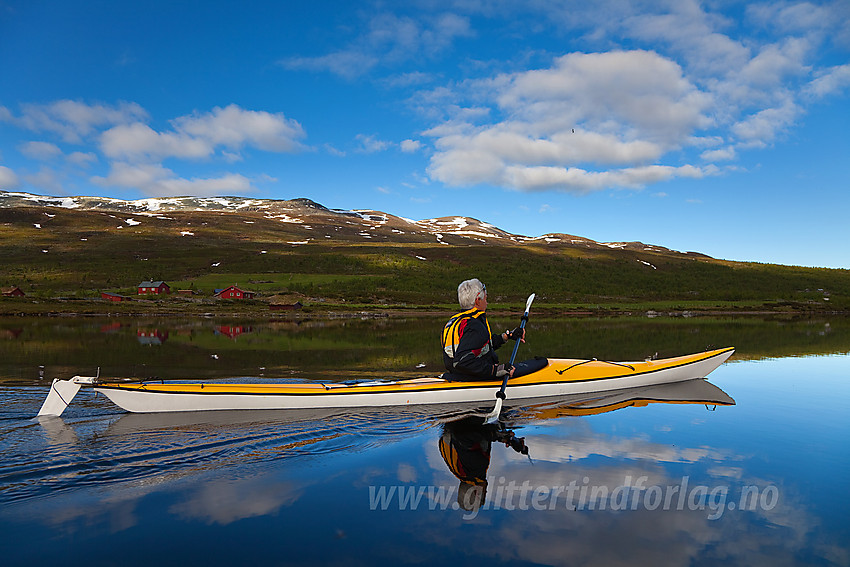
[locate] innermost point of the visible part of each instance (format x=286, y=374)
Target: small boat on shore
x=559, y=377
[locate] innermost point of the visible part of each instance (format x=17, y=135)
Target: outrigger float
x=560, y=377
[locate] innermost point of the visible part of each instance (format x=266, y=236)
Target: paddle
x=500, y=395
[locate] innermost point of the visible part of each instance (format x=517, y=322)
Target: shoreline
x=338, y=311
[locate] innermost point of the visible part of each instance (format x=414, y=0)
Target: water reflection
x=465, y=447
x=645, y=476
x=151, y=337
x=233, y=331
x=466, y=443
x=633, y=477
x=60, y=454
x=208, y=348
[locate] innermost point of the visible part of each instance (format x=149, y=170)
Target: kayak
x=560, y=377
x=315, y=425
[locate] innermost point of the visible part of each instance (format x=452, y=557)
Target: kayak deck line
x=559, y=377
x=629, y=366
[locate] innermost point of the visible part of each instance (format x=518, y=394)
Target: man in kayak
x=469, y=345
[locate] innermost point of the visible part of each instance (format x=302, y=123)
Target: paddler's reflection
x=465, y=447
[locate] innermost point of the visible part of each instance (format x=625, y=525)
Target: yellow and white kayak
x=560, y=377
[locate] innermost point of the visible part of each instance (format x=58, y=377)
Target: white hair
x=467, y=292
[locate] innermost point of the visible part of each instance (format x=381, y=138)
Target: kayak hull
x=560, y=377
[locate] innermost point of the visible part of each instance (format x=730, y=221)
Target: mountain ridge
x=57, y=248
x=450, y=230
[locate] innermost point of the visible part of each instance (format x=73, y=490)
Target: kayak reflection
x=466, y=443
x=689, y=392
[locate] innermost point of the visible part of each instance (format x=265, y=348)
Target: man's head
x=469, y=292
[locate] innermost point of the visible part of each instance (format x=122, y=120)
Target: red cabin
x=234, y=292
x=13, y=291
x=113, y=296
x=154, y=288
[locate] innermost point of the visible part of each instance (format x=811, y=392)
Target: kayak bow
x=560, y=377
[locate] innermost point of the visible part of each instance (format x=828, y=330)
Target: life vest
x=453, y=331
x=468, y=463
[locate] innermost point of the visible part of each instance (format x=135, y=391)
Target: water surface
x=672, y=475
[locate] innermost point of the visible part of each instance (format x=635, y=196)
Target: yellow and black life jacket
x=468, y=463
x=453, y=331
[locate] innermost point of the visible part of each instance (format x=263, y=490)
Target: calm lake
x=667, y=475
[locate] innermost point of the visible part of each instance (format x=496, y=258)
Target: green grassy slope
x=80, y=253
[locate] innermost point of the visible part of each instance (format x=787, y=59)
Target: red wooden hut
x=13, y=291
x=154, y=288
x=234, y=292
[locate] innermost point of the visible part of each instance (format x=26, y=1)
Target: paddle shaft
x=493, y=416
x=501, y=393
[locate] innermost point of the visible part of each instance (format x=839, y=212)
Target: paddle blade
x=493, y=416
x=528, y=303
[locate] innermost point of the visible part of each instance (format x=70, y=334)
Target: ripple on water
x=98, y=446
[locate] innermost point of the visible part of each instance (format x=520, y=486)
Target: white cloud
x=755, y=68
x=793, y=16
x=829, y=81
x=762, y=128
x=578, y=180
x=140, y=142
x=690, y=32
x=43, y=151
x=73, y=120
x=334, y=151
x=516, y=142
x=225, y=185
x=405, y=80
x=346, y=64
x=388, y=39
x=774, y=62
x=371, y=144
x=137, y=150
x=410, y=146
x=625, y=109
x=234, y=127
x=706, y=83
x=721, y=154
x=199, y=135
x=630, y=93
x=133, y=176
x=8, y=178
x=158, y=181
x=82, y=159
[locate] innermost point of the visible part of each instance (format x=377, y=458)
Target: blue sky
x=719, y=127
